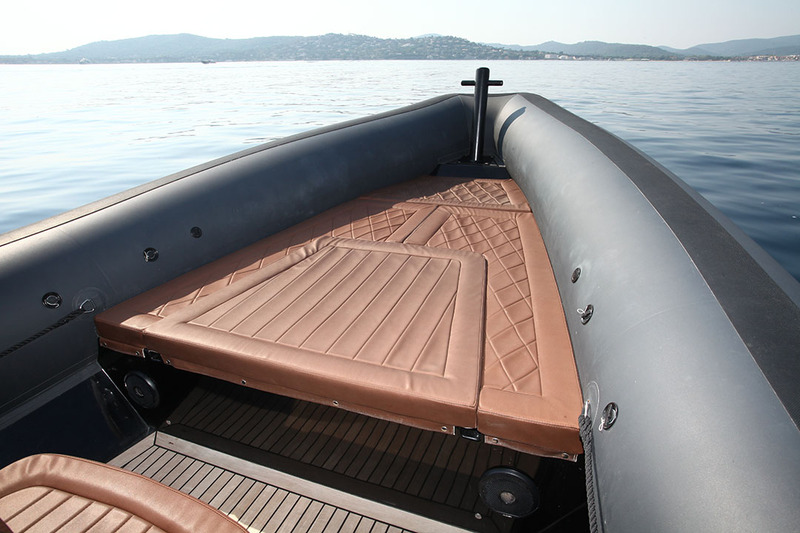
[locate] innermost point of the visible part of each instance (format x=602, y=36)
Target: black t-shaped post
x=481, y=83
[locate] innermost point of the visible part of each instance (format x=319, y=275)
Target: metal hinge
x=470, y=434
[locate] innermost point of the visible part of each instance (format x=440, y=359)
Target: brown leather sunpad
x=388, y=327
x=121, y=326
x=529, y=395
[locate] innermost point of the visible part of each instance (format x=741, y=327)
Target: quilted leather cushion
x=467, y=192
x=55, y=492
x=530, y=398
x=385, y=328
x=121, y=326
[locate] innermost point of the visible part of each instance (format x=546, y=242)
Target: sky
x=54, y=25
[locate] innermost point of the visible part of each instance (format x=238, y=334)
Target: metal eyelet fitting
x=610, y=414
x=576, y=274
x=150, y=255
x=586, y=313
x=52, y=300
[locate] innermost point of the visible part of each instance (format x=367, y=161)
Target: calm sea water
x=72, y=134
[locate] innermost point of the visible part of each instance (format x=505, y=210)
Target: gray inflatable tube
x=685, y=310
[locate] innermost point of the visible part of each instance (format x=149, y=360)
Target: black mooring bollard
x=481, y=83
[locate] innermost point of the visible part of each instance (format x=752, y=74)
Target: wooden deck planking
x=434, y=467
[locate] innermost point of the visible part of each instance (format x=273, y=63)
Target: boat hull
x=693, y=335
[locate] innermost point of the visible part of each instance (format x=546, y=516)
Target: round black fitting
x=196, y=232
x=150, y=255
x=142, y=390
x=509, y=492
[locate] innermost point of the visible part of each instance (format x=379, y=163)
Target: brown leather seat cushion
x=530, y=396
x=120, y=327
x=56, y=492
x=381, y=328
x=501, y=194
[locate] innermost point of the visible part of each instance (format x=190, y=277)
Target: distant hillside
x=789, y=45
x=741, y=48
x=185, y=47
x=190, y=48
x=601, y=49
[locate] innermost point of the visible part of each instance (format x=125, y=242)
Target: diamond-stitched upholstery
x=121, y=327
x=360, y=220
x=500, y=194
x=530, y=396
x=510, y=357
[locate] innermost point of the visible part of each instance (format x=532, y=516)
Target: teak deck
x=430, y=303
